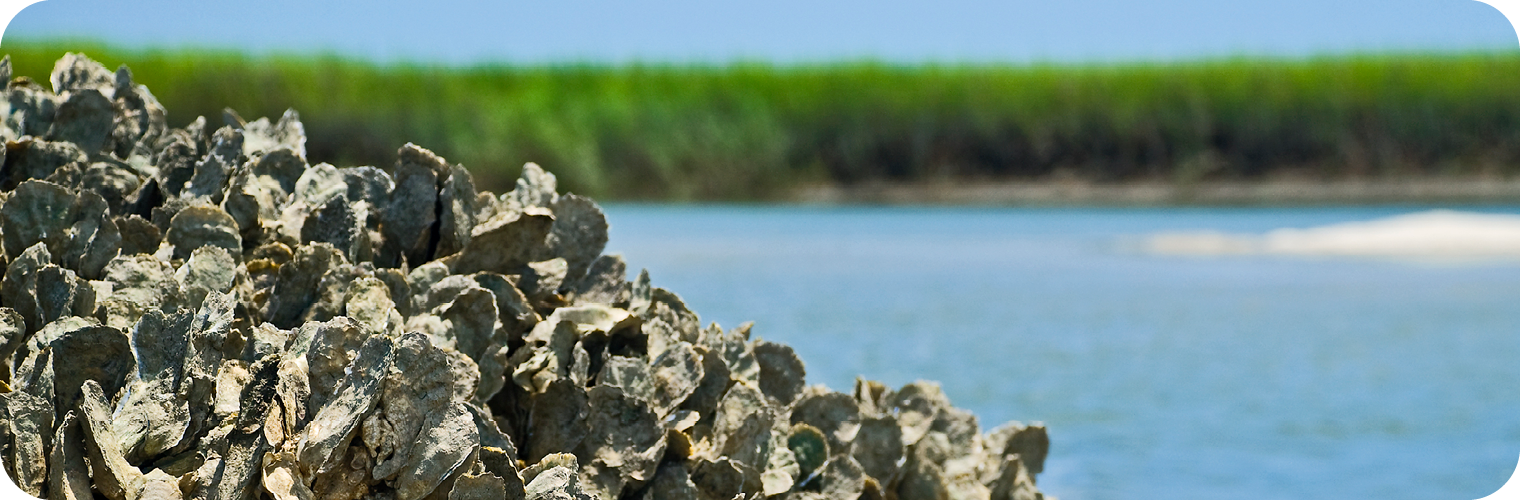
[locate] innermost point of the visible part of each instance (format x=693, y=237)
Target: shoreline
x=1145, y=194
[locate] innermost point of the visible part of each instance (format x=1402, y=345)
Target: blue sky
x=783, y=31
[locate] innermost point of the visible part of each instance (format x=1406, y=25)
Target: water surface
x=1159, y=376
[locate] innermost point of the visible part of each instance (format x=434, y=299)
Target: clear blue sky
x=783, y=31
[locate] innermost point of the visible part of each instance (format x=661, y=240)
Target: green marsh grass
x=748, y=131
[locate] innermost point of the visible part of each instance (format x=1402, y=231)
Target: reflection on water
x=1245, y=376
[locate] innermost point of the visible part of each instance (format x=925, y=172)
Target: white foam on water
x=1435, y=234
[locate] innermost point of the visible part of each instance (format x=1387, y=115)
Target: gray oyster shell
x=201, y=313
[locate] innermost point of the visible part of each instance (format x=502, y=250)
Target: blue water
x=1159, y=376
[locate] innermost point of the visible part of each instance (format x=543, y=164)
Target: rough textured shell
x=199, y=312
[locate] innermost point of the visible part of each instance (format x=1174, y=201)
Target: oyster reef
x=197, y=312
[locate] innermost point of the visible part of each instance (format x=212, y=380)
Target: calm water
x=1159, y=376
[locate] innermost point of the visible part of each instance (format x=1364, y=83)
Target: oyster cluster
x=198, y=313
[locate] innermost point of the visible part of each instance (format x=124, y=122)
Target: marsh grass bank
x=1075, y=193
x=751, y=131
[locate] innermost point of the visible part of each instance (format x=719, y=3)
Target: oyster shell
x=203, y=314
